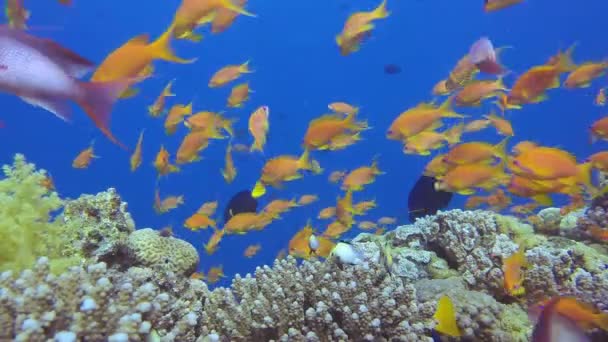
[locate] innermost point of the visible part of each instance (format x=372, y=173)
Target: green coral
x=519, y=231
x=514, y=320
x=27, y=230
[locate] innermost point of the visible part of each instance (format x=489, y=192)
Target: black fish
x=425, y=200
x=242, y=202
x=392, y=69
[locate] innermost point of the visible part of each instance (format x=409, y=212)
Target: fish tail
x=601, y=320
x=227, y=4
x=304, y=161
x=380, y=12
x=161, y=48
x=97, y=100
x=258, y=190
x=500, y=149
x=244, y=68
x=565, y=62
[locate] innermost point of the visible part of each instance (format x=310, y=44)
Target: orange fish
x=342, y=141
x=335, y=229
x=463, y=179
x=454, y=133
x=441, y=88
x=238, y=95
x=48, y=183
x=545, y=163
x=299, y=245
x=600, y=98
x=367, y=225
x=228, y=74
x=278, y=206
x=176, y=116
x=513, y=273
x=132, y=58
x=358, y=27
x=210, y=123
x=214, y=274
x=281, y=169
x=307, y=199
x=321, y=131
x=531, y=86
x=224, y=17
x=244, y=222
x=336, y=176
x=170, y=203
x=258, y=127
x=423, y=117
x=495, y=5
x=135, y=159
x=362, y=207
x=599, y=161
x=473, y=93
x=252, y=250
x=476, y=152
x=84, y=158
x=387, y=220
x=343, y=108
x=193, y=143
x=462, y=74
x=191, y=13
x=476, y=125
x=208, y=208
x=16, y=14
x=598, y=233
x=157, y=108
x=198, y=221
x=327, y=213
x=437, y=166
x=229, y=171
x=361, y=176
x=503, y=126
x=599, y=129
x=423, y=142
x=161, y=163
x=345, y=210
x=214, y=241
x=582, y=76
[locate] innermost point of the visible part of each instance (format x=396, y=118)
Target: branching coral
x=26, y=206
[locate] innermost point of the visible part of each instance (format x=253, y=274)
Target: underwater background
x=298, y=70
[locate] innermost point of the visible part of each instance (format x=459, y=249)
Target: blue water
x=298, y=71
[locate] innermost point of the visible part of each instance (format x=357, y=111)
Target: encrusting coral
x=151, y=249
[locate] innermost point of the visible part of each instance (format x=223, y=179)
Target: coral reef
x=133, y=285
x=97, y=225
x=166, y=253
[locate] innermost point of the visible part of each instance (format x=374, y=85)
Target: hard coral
x=97, y=226
x=26, y=207
x=96, y=304
x=150, y=249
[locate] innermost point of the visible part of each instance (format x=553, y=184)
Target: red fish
x=45, y=74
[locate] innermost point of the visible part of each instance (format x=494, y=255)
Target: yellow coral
x=26, y=208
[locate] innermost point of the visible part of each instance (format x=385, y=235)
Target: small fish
x=358, y=27
x=258, y=127
x=387, y=220
x=228, y=74
x=313, y=243
x=157, y=108
x=327, y=213
x=84, y=158
x=425, y=200
x=557, y=322
x=215, y=273
x=445, y=315
x=239, y=95
x=241, y=202
x=307, y=199
x=343, y=108
x=229, y=170
x=346, y=253
x=600, y=98
x=483, y=55
x=135, y=159
x=392, y=69
x=513, y=273
x=252, y=250
x=214, y=241
x=495, y=5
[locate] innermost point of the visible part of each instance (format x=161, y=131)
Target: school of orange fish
x=528, y=170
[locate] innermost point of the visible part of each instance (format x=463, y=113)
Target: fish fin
x=60, y=108
x=258, y=190
x=380, y=12
x=227, y=4
x=466, y=192
x=161, y=48
x=500, y=149
x=97, y=100
x=129, y=93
